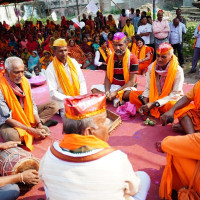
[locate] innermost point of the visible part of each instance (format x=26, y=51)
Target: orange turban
x=84, y=106
x=164, y=48
x=60, y=43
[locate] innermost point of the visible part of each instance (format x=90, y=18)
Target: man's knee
x=9, y=192
x=9, y=133
x=54, y=106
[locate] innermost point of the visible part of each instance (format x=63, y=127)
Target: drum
x=16, y=160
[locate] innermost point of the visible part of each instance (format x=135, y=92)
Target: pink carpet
x=131, y=137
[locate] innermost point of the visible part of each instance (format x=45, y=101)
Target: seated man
x=122, y=69
x=83, y=165
x=183, y=156
x=64, y=76
x=188, y=113
x=9, y=190
x=164, y=82
x=20, y=118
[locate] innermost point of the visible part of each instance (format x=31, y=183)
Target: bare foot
x=158, y=147
x=177, y=128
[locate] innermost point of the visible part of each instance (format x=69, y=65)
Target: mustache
x=119, y=52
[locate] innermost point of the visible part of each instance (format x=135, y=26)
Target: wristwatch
x=157, y=104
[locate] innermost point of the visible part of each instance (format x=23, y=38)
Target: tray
x=115, y=120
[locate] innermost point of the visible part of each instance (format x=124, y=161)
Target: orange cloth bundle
x=80, y=107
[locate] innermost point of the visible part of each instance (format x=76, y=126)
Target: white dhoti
x=113, y=88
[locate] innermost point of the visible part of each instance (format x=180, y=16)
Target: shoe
x=192, y=72
x=50, y=122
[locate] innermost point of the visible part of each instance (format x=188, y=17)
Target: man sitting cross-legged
x=122, y=69
x=83, y=166
x=188, y=113
x=20, y=118
x=183, y=157
x=164, y=82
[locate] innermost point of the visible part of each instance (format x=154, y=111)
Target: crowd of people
x=34, y=42
x=91, y=168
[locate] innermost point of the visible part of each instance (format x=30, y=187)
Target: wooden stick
x=116, y=5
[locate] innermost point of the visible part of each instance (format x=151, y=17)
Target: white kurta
x=56, y=92
x=177, y=88
x=103, y=179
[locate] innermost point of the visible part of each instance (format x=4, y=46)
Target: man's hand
x=112, y=96
x=30, y=176
x=38, y=133
x=9, y=144
x=165, y=116
x=146, y=108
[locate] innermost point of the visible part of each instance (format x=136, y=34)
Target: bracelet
x=22, y=180
x=38, y=123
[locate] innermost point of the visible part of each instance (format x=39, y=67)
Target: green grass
x=189, y=39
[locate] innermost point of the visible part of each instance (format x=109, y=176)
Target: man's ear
x=88, y=131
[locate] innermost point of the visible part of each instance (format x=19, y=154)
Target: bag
x=190, y=193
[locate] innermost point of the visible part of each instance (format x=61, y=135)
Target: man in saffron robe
x=122, y=69
x=20, y=118
x=183, y=154
x=187, y=112
x=164, y=82
x=83, y=165
x=64, y=76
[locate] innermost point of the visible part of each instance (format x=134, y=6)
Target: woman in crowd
x=89, y=64
x=84, y=45
x=110, y=42
x=75, y=52
x=33, y=60
x=95, y=44
x=144, y=55
x=111, y=23
x=46, y=59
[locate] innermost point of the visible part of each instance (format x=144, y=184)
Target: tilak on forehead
x=119, y=36
x=164, y=48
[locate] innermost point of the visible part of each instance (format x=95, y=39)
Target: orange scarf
x=153, y=93
x=133, y=50
x=110, y=45
x=75, y=141
x=125, y=61
x=140, y=53
x=196, y=38
x=25, y=116
x=64, y=81
x=104, y=54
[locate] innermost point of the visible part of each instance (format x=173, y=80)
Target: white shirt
x=103, y=179
x=177, y=88
x=145, y=29
x=55, y=91
x=197, y=36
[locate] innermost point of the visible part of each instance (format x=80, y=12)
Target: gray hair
x=9, y=62
x=78, y=126
x=171, y=52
